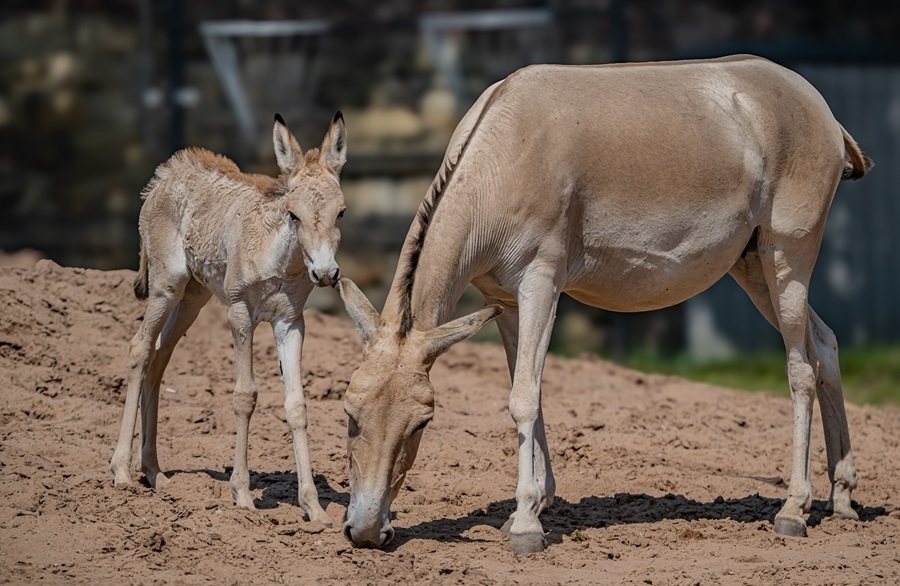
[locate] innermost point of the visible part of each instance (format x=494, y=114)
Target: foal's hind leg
x=160, y=303
x=181, y=318
x=841, y=470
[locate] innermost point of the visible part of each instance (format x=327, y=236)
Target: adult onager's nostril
x=336, y=276
x=388, y=537
x=314, y=276
x=347, y=532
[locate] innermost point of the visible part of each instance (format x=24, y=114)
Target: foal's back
x=206, y=197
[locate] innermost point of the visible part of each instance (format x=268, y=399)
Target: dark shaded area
x=623, y=508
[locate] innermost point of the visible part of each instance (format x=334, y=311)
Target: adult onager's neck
x=442, y=250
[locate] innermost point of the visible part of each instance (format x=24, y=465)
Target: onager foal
x=258, y=244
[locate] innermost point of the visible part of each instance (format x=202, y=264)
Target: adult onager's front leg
x=289, y=341
x=538, y=295
x=508, y=324
x=245, y=391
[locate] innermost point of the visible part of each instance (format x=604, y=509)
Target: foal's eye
x=294, y=216
x=341, y=213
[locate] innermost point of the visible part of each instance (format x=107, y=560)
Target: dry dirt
x=660, y=481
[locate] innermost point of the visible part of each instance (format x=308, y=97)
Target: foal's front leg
x=245, y=391
x=289, y=341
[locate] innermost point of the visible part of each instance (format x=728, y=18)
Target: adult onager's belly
x=641, y=264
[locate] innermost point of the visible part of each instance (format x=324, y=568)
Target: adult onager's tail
x=141, y=282
x=857, y=163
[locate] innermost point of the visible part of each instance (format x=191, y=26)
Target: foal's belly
x=637, y=271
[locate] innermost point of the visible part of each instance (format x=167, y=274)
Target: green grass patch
x=870, y=375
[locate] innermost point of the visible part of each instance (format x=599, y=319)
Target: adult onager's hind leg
x=245, y=391
x=508, y=324
x=180, y=319
x=289, y=341
x=143, y=347
x=841, y=470
x=822, y=350
x=538, y=295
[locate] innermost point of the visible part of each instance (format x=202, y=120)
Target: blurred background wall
x=95, y=93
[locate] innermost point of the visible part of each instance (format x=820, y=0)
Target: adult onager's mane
x=425, y=214
x=423, y=217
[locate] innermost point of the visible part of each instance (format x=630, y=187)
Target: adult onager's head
x=389, y=402
x=313, y=195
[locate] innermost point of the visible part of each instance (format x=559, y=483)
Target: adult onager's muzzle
x=368, y=525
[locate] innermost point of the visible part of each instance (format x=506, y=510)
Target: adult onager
x=260, y=245
x=630, y=187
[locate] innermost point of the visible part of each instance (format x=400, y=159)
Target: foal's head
x=313, y=197
x=389, y=402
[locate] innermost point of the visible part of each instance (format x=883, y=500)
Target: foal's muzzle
x=326, y=276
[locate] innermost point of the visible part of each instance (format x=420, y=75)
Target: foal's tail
x=856, y=162
x=142, y=281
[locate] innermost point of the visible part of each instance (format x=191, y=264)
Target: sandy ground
x=660, y=481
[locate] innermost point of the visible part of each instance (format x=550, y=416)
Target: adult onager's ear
x=439, y=339
x=287, y=149
x=360, y=310
x=333, y=153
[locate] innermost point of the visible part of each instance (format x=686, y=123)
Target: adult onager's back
x=260, y=245
x=629, y=187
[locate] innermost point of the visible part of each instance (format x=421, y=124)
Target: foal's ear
x=361, y=311
x=287, y=149
x=439, y=339
x=333, y=153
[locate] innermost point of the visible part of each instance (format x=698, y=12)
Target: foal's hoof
x=527, y=543
x=790, y=526
x=323, y=520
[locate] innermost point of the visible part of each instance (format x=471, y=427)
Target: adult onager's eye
x=294, y=216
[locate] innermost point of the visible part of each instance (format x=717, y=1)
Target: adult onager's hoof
x=156, y=479
x=527, y=543
x=790, y=526
x=841, y=510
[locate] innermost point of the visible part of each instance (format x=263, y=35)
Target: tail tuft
x=142, y=281
x=856, y=162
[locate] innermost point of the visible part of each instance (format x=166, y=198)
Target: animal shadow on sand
x=563, y=517
x=278, y=487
